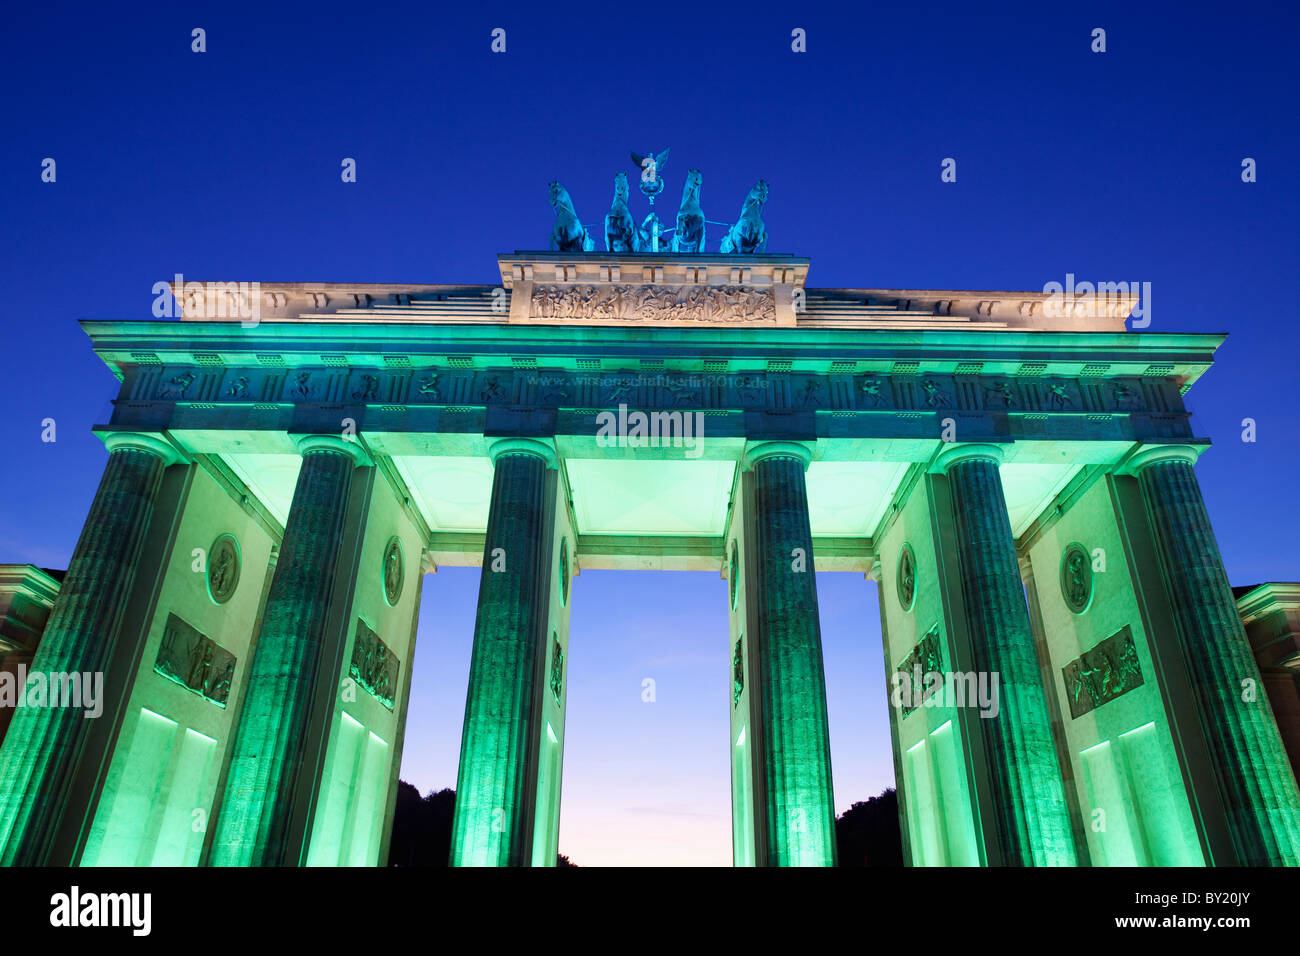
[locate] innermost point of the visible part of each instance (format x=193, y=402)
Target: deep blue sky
x=225, y=165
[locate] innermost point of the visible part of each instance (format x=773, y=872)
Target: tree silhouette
x=422, y=828
x=867, y=833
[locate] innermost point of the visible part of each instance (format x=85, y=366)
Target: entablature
x=396, y=349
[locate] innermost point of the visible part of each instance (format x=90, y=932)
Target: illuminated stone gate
x=250, y=574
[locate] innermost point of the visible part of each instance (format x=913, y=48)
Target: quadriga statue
x=748, y=235
x=620, y=230
x=689, y=235
x=569, y=235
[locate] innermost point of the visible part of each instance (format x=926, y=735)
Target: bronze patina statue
x=569, y=234
x=689, y=235
x=620, y=229
x=748, y=235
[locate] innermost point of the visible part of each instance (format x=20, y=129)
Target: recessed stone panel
x=1100, y=675
x=374, y=666
x=195, y=661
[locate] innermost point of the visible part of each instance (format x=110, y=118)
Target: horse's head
x=693, y=182
x=560, y=197
x=620, y=187
x=759, y=192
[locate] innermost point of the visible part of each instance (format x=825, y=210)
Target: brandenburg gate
x=1013, y=469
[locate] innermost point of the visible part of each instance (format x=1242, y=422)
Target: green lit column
x=1029, y=806
x=789, y=707
x=267, y=754
x=496, y=785
x=44, y=746
x=1250, y=763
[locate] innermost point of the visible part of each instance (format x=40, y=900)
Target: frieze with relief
x=653, y=303
x=759, y=389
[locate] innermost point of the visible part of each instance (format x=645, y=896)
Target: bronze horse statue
x=689, y=234
x=569, y=234
x=748, y=235
x=620, y=230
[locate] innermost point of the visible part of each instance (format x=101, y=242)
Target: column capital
x=308, y=444
x=140, y=441
x=1150, y=454
x=524, y=446
x=964, y=451
x=775, y=449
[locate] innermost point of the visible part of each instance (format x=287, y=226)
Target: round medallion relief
x=223, y=568
x=394, y=571
x=906, y=578
x=1076, y=577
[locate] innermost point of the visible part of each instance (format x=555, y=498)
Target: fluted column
x=1029, y=804
x=1250, y=763
x=495, y=787
x=267, y=753
x=44, y=745
x=791, y=696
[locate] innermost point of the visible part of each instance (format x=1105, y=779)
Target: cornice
x=31, y=581
x=1265, y=598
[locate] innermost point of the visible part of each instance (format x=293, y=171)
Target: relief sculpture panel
x=1100, y=675
x=195, y=661
x=652, y=303
x=374, y=666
